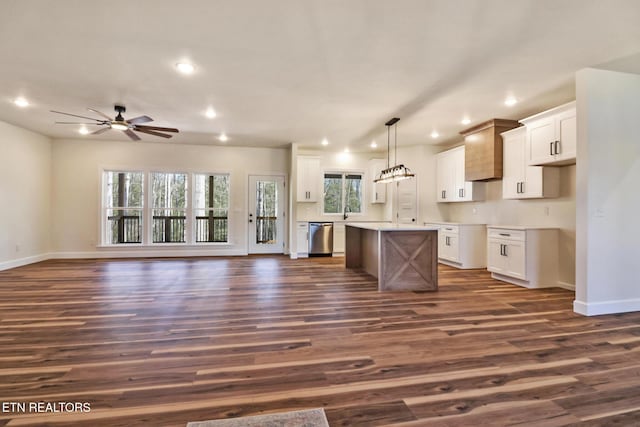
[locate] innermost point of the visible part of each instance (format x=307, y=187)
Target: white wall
x=557, y=212
x=25, y=173
x=608, y=173
x=76, y=189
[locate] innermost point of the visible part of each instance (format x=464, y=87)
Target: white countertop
x=521, y=227
x=451, y=223
x=386, y=226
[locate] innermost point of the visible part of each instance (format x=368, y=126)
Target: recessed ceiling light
x=346, y=150
x=510, y=101
x=21, y=102
x=211, y=113
x=466, y=121
x=373, y=144
x=434, y=134
x=185, y=67
x=325, y=142
x=83, y=131
x=223, y=137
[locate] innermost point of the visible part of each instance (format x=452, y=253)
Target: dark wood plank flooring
x=166, y=341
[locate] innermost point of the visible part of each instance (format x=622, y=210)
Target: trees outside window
x=123, y=203
x=169, y=204
x=211, y=207
x=342, y=193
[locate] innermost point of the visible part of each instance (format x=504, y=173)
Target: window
x=342, y=193
x=123, y=201
x=211, y=208
x=169, y=204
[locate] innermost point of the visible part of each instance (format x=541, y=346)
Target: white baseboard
x=567, y=286
x=23, y=261
x=147, y=253
x=606, y=307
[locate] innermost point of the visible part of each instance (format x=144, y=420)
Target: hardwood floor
x=164, y=342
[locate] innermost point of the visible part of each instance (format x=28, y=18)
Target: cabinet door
x=515, y=256
x=540, y=141
x=496, y=261
x=450, y=247
x=308, y=178
x=302, y=238
x=513, y=147
x=378, y=191
x=338, y=237
x=566, y=135
x=443, y=177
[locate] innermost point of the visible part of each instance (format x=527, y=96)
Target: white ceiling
x=283, y=71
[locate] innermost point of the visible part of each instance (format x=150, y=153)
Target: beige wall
x=25, y=173
x=76, y=188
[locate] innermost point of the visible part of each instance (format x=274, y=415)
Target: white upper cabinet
x=520, y=181
x=451, y=186
x=378, y=192
x=551, y=136
x=308, y=179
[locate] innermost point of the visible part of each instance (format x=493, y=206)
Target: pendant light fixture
x=397, y=172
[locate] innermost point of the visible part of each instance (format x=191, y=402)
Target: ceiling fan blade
x=139, y=127
x=150, y=132
x=99, y=131
x=77, y=123
x=75, y=115
x=131, y=135
x=100, y=113
x=140, y=119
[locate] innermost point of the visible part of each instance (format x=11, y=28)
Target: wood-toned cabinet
x=450, y=178
x=519, y=180
x=484, y=149
x=378, y=192
x=461, y=245
x=308, y=179
x=552, y=136
x=524, y=256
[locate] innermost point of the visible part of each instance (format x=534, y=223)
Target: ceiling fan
x=119, y=123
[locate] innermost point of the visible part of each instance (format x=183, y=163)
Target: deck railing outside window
x=168, y=228
x=212, y=228
x=125, y=228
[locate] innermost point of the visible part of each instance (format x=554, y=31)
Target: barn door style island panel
x=403, y=257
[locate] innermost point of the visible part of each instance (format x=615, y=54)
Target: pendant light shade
x=397, y=172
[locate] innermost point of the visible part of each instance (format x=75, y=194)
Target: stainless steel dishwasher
x=320, y=238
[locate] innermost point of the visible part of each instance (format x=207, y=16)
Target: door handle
x=551, y=148
x=557, y=147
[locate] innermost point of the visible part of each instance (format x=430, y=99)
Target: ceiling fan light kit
x=398, y=172
x=120, y=123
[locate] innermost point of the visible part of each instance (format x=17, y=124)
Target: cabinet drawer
x=452, y=229
x=506, y=234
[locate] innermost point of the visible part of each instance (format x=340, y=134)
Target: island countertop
x=387, y=226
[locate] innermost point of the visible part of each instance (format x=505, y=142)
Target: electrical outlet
x=546, y=210
x=17, y=248
x=474, y=210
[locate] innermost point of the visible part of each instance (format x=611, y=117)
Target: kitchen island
x=404, y=257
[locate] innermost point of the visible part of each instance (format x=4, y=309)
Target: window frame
x=151, y=208
x=343, y=181
x=194, y=209
x=104, y=229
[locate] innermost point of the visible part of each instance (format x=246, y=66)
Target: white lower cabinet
x=461, y=245
x=525, y=256
x=338, y=237
x=302, y=239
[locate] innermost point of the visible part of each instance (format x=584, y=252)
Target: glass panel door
x=266, y=214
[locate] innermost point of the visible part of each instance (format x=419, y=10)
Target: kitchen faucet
x=346, y=212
